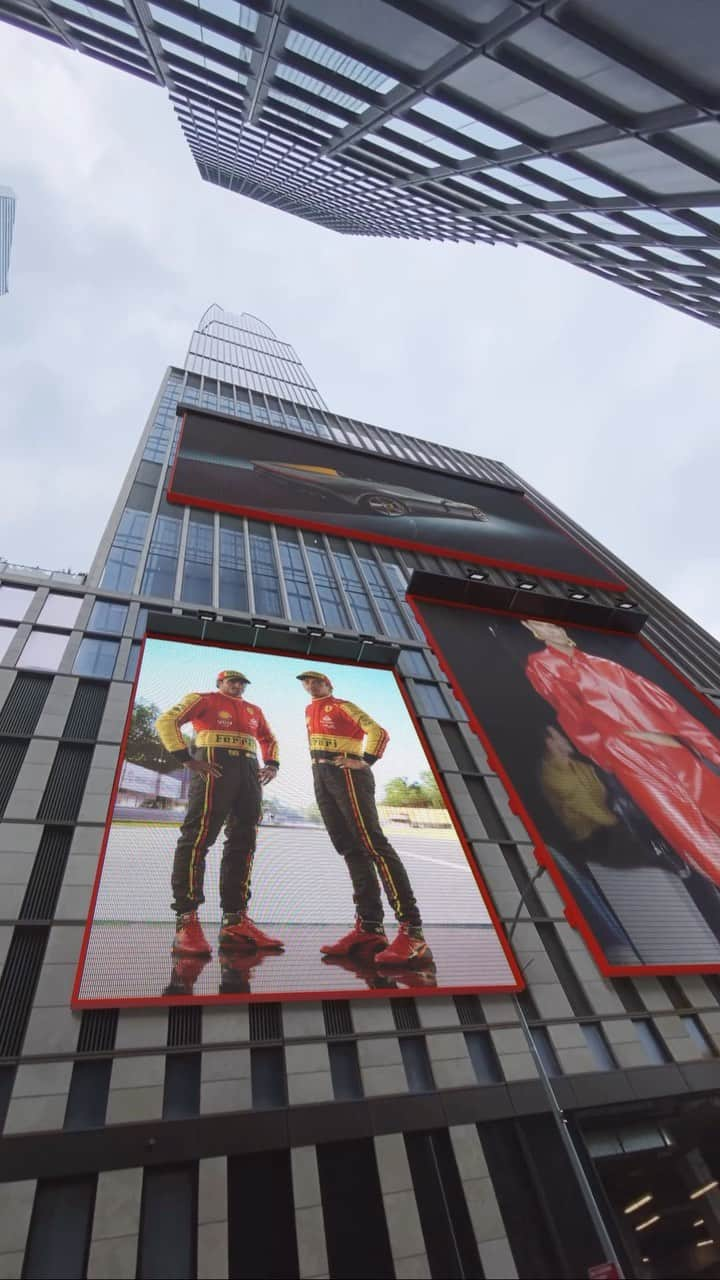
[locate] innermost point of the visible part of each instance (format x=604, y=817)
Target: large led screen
x=613, y=762
x=278, y=837
x=271, y=475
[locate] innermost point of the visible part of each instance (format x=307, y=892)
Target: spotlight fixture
x=625, y=604
x=316, y=631
x=524, y=584
x=637, y=1204
x=576, y=593
x=206, y=616
x=701, y=1191
x=648, y=1222
x=700, y=1244
x=477, y=575
x=699, y=1222
x=260, y=623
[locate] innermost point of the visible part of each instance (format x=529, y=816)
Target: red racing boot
x=189, y=938
x=408, y=948
x=239, y=933
x=358, y=941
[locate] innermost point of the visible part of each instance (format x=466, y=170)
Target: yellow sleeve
x=168, y=724
x=376, y=738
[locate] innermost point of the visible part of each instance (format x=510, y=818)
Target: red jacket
x=337, y=727
x=596, y=700
x=218, y=721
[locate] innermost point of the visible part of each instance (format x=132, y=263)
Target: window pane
x=107, y=616
x=6, y=635
x=598, y=1046
x=159, y=576
x=430, y=700
x=697, y=1035
x=124, y=555
x=334, y=611
x=296, y=580
x=354, y=588
x=414, y=663
x=132, y=662
x=60, y=611
x=14, y=602
x=650, y=1040
x=265, y=577
x=389, y=612
x=43, y=649
x=197, y=579
x=233, y=569
x=96, y=658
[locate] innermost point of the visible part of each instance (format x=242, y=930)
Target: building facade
x=409, y=1137
x=588, y=129
x=7, y=222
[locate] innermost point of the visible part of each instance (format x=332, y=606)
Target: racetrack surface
x=297, y=876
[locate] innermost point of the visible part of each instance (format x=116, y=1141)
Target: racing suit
x=601, y=706
x=346, y=800
x=227, y=733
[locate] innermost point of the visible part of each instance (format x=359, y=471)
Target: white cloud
x=600, y=399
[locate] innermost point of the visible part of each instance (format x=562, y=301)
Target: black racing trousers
x=346, y=800
x=233, y=800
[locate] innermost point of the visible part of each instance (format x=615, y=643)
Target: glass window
x=545, y=1051
x=389, y=612
x=697, y=1035
x=264, y=569
x=60, y=611
x=6, y=635
x=197, y=579
x=43, y=649
x=650, y=1040
x=108, y=616
x=132, y=662
x=124, y=556
x=430, y=700
x=354, y=588
x=96, y=657
x=233, y=568
x=14, y=602
x=159, y=576
x=598, y=1045
x=334, y=611
x=300, y=600
x=414, y=663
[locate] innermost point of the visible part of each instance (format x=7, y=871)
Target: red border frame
x=427, y=548
x=267, y=997
x=542, y=854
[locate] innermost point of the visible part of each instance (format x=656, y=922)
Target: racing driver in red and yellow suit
x=660, y=754
x=344, y=744
x=225, y=790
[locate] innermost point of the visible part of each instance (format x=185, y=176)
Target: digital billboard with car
x=227, y=466
x=277, y=831
x=612, y=762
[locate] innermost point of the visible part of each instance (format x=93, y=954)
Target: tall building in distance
x=393, y=1130
x=7, y=222
x=588, y=130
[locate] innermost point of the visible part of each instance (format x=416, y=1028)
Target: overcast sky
x=603, y=401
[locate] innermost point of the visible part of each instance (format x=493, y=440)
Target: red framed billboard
x=224, y=465
x=224, y=877
x=612, y=763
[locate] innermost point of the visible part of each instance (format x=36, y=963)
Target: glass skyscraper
x=7, y=222
x=588, y=130
x=409, y=1137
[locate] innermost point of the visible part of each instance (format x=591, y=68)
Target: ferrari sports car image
x=329, y=485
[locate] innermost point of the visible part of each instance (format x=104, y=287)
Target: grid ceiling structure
x=588, y=128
